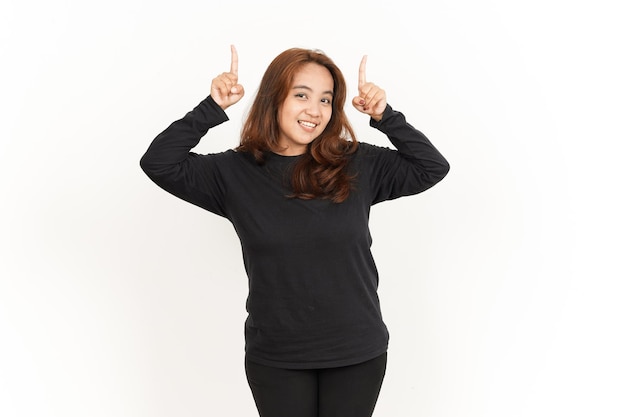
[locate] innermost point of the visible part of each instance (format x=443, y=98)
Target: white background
x=502, y=287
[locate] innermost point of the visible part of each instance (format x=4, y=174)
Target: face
x=306, y=111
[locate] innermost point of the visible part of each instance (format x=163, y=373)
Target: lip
x=307, y=125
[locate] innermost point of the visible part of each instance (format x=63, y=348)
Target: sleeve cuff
x=388, y=112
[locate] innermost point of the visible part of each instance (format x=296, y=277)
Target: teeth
x=307, y=124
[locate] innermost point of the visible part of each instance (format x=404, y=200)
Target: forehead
x=314, y=76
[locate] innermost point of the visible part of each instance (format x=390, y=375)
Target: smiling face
x=306, y=111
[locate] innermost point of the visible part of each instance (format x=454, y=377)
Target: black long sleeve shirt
x=312, y=299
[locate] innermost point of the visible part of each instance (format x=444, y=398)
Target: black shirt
x=312, y=299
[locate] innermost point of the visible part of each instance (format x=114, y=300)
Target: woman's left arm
x=416, y=165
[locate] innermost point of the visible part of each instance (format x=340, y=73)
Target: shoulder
x=227, y=157
x=224, y=161
x=368, y=150
x=368, y=156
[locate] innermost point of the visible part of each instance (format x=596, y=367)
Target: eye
x=300, y=95
x=326, y=101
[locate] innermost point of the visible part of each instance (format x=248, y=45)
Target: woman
x=298, y=190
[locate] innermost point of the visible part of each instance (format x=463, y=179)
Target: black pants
x=349, y=391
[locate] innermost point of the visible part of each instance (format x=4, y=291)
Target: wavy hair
x=322, y=171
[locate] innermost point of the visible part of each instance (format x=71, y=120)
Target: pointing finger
x=362, y=79
x=234, y=60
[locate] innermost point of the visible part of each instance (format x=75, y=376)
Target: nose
x=314, y=108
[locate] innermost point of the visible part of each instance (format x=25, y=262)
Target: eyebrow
x=295, y=87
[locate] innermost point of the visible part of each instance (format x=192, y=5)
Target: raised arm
x=415, y=165
x=169, y=161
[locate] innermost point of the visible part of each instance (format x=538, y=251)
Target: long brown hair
x=322, y=171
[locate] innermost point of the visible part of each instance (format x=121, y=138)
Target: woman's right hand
x=225, y=89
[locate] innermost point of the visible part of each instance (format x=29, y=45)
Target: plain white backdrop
x=503, y=286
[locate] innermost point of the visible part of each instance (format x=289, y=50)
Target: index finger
x=234, y=60
x=362, y=71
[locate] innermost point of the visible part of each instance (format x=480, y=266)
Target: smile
x=307, y=124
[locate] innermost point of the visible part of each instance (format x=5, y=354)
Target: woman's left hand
x=372, y=100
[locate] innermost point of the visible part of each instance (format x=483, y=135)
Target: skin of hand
x=225, y=89
x=372, y=100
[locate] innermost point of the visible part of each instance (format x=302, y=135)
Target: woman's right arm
x=169, y=161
